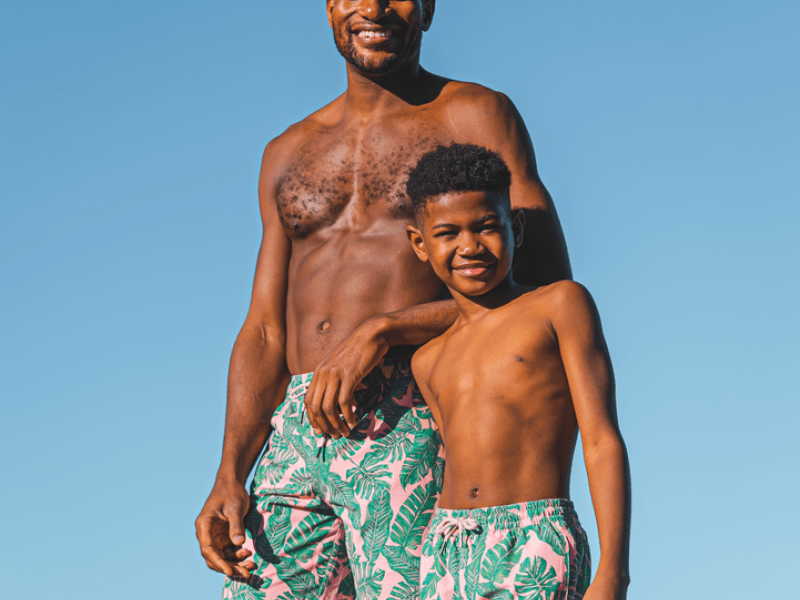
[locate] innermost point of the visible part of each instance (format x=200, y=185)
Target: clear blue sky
x=130, y=139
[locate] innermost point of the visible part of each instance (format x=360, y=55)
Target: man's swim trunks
x=344, y=518
x=535, y=550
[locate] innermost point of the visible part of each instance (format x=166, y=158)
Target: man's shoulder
x=468, y=92
x=299, y=133
x=464, y=99
x=475, y=113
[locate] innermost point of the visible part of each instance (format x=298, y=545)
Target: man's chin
x=374, y=65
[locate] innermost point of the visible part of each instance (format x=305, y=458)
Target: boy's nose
x=469, y=246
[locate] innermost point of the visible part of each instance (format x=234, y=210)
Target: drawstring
x=455, y=527
x=321, y=449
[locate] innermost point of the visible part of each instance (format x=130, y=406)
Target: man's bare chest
x=361, y=175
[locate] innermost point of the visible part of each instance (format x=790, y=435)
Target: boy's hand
x=329, y=399
x=606, y=589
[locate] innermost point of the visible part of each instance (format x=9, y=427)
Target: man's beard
x=377, y=66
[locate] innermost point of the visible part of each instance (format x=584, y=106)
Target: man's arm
x=481, y=116
x=331, y=391
x=257, y=382
x=591, y=384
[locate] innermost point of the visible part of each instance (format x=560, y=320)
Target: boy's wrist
x=615, y=578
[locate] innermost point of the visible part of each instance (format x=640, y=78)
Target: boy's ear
x=417, y=243
x=518, y=226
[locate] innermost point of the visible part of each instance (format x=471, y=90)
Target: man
x=337, y=286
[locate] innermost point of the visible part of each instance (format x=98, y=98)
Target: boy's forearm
x=609, y=482
x=256, y=385
x=415, y=325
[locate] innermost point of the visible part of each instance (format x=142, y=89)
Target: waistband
x=506, y=516
x=400, y=359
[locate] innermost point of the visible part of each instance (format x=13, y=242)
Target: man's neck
x=372, y=94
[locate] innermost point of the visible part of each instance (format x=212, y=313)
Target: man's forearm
x=416, y=325
x=256, y=385
x=609, y=482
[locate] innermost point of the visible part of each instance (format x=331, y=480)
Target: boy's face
x=469, y=239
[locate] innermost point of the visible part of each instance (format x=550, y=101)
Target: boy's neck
x=473, y=307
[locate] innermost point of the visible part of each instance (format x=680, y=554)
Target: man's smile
x=368, y=34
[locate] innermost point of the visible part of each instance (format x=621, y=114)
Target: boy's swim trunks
x=535, y=550
x=344, y=518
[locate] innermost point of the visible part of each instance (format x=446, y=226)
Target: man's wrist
x=230, y=475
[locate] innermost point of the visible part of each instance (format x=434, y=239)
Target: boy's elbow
x=607, y=443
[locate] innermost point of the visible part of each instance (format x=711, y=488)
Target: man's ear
x=428, y=8
x=518, y=226
x=417, y=243
x=329, y=10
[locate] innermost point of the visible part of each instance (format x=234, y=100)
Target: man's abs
x=337, y=282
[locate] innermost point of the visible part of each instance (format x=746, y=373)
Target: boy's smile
x=469, y=239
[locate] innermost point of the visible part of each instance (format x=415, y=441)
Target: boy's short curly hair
x=456, y=168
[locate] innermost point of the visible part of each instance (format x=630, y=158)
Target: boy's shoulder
x=424, y=357
x=554, y=299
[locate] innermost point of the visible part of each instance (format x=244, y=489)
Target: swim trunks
x=344, y=518
x=534, y=550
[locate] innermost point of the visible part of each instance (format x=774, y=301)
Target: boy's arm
x=330, y=393
x=591, y=383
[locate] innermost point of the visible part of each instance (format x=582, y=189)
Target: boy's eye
x=443, y=233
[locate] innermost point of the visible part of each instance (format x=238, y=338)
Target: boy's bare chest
x=493, y=360
x=358, y=173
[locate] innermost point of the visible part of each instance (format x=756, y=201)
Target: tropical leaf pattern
x=344, y=518
x=530, y=551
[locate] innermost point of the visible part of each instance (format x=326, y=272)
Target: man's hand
x=329, y=400
x=220, y=530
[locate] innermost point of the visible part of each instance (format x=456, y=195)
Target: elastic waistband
x=508, y=516
x=399, y=360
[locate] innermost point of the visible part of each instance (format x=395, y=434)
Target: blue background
x=130, y=140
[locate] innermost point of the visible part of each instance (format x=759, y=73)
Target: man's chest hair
x=366, y=172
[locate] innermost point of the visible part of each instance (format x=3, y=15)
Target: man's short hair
x=456, y=168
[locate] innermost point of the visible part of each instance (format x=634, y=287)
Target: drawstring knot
x=455, y=528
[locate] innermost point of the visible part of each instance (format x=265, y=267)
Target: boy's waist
x=505, y=516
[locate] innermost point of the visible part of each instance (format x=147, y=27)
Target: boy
x=509, y=384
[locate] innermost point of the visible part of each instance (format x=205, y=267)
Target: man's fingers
x=347, y=404
x=313, y=402
x=308, y=399
x=241, y=571
x=241, y=554
x=215, y=561
x=315, y=406
x=330, y=408
x=234, y=511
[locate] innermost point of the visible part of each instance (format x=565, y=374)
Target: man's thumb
x=236, y=529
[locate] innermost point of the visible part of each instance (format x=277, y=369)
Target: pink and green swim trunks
x=529, y=551
x=342, y=519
